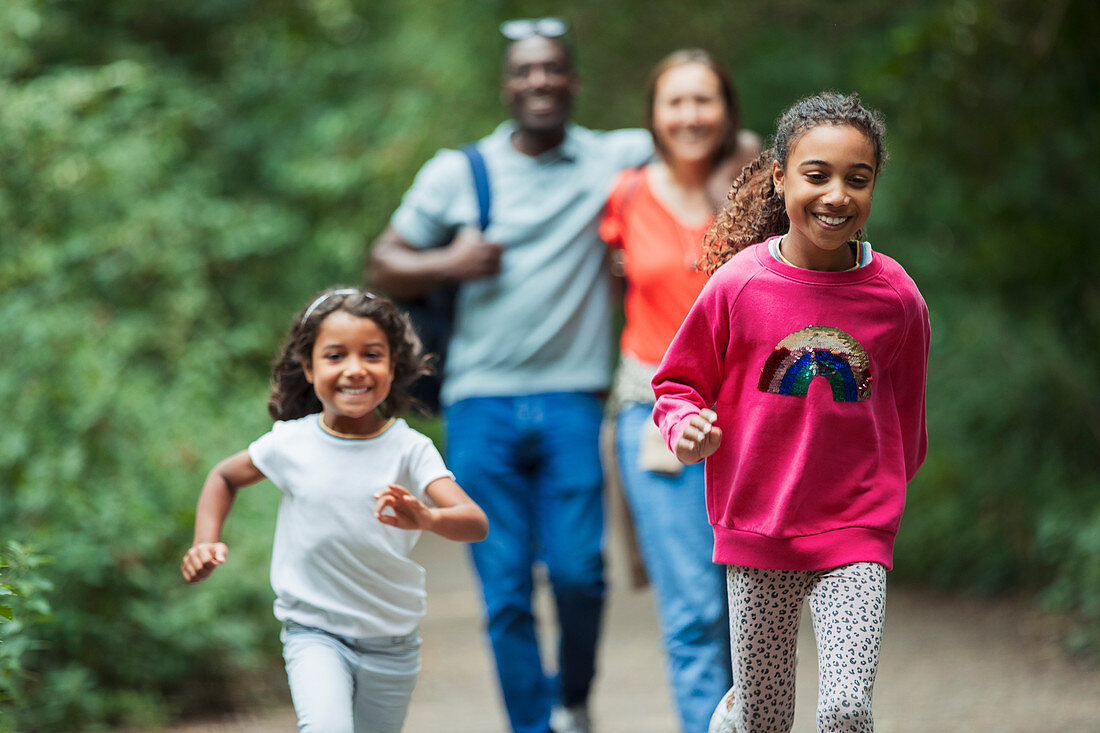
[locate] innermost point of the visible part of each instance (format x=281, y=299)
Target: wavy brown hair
x=755, y=211
x=292, y=395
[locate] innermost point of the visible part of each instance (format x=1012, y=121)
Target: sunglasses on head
x=521, y=29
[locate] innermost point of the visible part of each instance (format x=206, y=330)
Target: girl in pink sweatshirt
x=799, y=375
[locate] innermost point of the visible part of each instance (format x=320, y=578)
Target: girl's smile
x=351, y=371
x=826, y=186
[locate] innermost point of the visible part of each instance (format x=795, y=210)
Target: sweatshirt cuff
x=676, y=431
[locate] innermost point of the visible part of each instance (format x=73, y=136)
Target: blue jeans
x=345, y=685
x=532, y=462
x=677, y=543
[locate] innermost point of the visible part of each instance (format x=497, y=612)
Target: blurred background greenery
x=176, y=178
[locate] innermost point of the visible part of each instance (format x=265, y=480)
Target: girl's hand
x=408, y=511
x=201, y=560
x=700, y=439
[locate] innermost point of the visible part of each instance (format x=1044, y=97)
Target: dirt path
x=948, y=665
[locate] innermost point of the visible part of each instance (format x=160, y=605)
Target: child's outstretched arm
x=700, y=438
x=454, y=516
x=218, y=491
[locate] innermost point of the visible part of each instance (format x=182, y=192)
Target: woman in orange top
x=656, y=217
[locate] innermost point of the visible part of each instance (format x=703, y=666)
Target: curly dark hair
x=755, y=211
x=292, y=396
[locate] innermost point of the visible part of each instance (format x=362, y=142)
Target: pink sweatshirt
x=818, y=380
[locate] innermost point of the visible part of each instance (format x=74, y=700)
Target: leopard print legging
x=848, y=607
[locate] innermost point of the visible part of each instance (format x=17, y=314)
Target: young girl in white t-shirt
x=358, y=486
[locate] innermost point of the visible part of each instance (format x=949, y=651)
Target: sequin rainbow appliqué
x=818, y=351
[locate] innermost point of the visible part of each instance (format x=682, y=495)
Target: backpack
x=432, y=314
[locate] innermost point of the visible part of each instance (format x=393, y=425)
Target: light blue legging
x=345, y=685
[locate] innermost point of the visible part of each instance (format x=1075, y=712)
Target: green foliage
x=177, y=178
x=23, y=606
x=1000, y=234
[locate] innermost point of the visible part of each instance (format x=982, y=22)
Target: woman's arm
x=454, y=516
x=728, y=169
x=218, y=491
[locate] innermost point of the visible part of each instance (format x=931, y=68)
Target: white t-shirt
x=334, y=566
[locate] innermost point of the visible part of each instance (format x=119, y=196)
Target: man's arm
x=405, y=271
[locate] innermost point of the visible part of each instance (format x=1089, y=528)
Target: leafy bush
x=999, y=238
x=24, y=605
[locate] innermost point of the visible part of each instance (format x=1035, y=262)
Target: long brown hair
x=292, y=395
x=755, y=211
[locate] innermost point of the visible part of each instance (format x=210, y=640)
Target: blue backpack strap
x=481, y=183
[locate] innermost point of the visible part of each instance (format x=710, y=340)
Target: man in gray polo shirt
x=529, y=359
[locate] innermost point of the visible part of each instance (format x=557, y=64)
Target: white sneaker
x=722, y=721
x=570, y=720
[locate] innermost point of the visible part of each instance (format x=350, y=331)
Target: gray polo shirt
x=543, y=323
